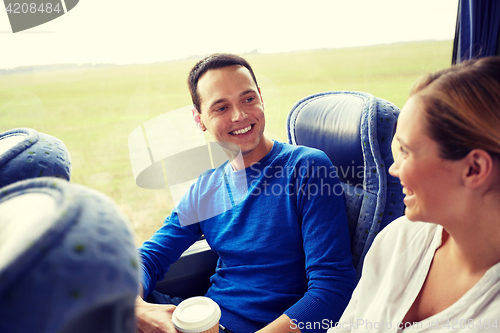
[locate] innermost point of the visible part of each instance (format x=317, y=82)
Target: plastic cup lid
x=196, y=314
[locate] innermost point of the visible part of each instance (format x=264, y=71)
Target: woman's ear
x=479, y=168
x=197, y=119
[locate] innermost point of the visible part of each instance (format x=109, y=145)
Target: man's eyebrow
x=222, y=100
x=249, y=91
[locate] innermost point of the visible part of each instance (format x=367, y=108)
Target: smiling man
x=233, y=110
x=283, y=242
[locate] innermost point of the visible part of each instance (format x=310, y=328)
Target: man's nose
x=238, y=114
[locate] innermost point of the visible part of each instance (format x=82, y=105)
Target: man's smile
x=242, y=131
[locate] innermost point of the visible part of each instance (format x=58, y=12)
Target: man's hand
x=154, y=318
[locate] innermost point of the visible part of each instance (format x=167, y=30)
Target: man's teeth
x=243, y=130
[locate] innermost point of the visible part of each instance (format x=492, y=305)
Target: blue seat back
x=68, y=260
x=26, y=153
x=355, y=130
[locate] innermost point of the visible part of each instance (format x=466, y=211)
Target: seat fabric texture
x=355, y=130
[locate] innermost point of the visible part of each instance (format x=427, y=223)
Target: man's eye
x=249, y=99
x=223, y=108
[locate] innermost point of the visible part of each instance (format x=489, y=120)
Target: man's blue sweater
x=281, y=233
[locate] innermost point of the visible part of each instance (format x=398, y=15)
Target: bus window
x=93, y=75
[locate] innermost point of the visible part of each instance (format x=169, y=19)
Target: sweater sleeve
x=325, y=235
x=348, y=321
x=345, y=322
x=164, y=248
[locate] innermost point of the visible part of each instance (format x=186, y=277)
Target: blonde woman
x=437, y=269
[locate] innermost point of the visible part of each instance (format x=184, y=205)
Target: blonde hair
x=462, y=107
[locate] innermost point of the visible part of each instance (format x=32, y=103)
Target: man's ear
x=479, y=168
x=197, y=119
x=260, y=95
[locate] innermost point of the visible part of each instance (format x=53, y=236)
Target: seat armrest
x=190, y=275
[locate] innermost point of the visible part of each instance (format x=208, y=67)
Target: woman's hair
x=462, y=107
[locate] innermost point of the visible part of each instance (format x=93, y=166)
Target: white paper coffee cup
x=197, y=315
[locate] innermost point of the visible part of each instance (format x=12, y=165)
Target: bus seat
x=355, y=130
x=26, y=153
x=68, y=261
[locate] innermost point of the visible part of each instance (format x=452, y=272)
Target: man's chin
x=231, y=147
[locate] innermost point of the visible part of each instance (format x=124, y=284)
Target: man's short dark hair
x=214, y=61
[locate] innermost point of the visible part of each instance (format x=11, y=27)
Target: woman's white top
x=394, y=271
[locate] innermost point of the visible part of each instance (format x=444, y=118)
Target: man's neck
x=243, y=161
